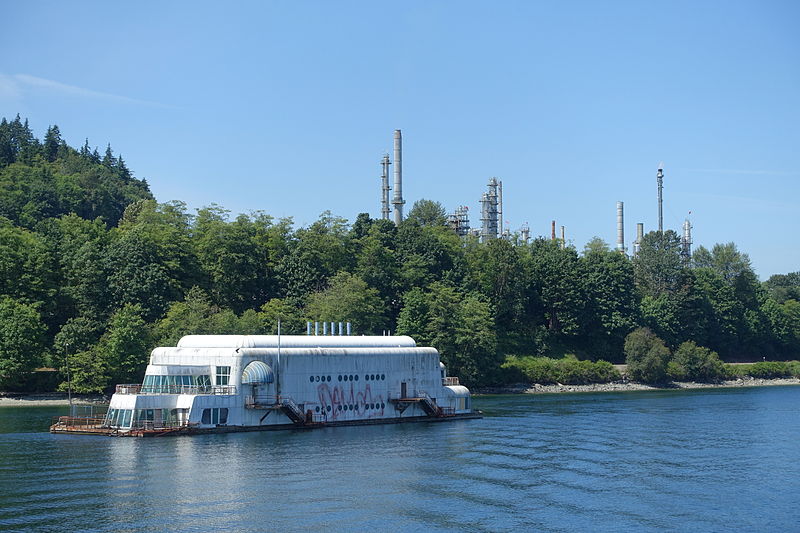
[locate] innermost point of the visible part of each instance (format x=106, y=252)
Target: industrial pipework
x=459, y=221
x=525, y=233
x=490, y=227
x=686, y=241
x=385, y=187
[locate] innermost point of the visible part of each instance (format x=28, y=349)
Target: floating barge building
x=223, y=383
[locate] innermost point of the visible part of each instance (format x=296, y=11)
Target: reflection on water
x=677, y=460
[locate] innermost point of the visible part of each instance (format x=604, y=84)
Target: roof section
x=295, y=341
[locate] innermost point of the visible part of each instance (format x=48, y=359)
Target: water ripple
x=662, y=461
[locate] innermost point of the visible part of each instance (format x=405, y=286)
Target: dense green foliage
x=567, y=371
x=765, y=370
x=646, y=356
x=94, y=272
x=691, y=362
x=21, y=335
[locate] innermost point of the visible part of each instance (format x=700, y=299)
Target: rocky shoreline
x=52, y=399
x=624, y=386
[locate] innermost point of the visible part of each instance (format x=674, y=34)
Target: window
x=223, y=375
x=145, y=415
x=215, y=415
x=203, y=383
x=125, y=418
x=184, y=384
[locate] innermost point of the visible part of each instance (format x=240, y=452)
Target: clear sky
x=287, y=107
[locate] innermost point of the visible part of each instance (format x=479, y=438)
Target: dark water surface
x=714, y=460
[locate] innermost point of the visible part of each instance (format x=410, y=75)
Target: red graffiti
x=341, y=401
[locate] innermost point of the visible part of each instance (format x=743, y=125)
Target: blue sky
x=287, y=107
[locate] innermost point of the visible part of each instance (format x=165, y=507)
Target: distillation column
x=397, y=200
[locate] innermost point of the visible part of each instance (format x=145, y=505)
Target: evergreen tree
x=108, y=159
x=52, y=143
x=86, y=151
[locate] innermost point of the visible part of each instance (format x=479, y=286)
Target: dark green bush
x=695, y=363
x=764, y=370
x=646, y=356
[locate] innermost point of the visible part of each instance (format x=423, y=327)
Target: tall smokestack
x=563, y=238
x=660, y=181
x=639, y=236
x=385, y=187
x=620, y=228
x=397, y=200
x=553, y=231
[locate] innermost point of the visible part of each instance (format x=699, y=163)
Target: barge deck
x=67, y=425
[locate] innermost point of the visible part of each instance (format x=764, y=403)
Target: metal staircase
x=422, y=398
x=293, y=412
x=429, y=405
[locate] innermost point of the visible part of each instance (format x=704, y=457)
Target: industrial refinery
x=492, y=223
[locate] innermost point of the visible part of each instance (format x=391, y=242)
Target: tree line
x=95, y=272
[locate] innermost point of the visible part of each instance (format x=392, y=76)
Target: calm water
x=685, y=460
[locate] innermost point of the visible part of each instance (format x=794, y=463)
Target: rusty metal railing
x=79, y=421
x=450, y=381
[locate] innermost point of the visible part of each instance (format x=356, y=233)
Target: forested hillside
x=95, y=272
